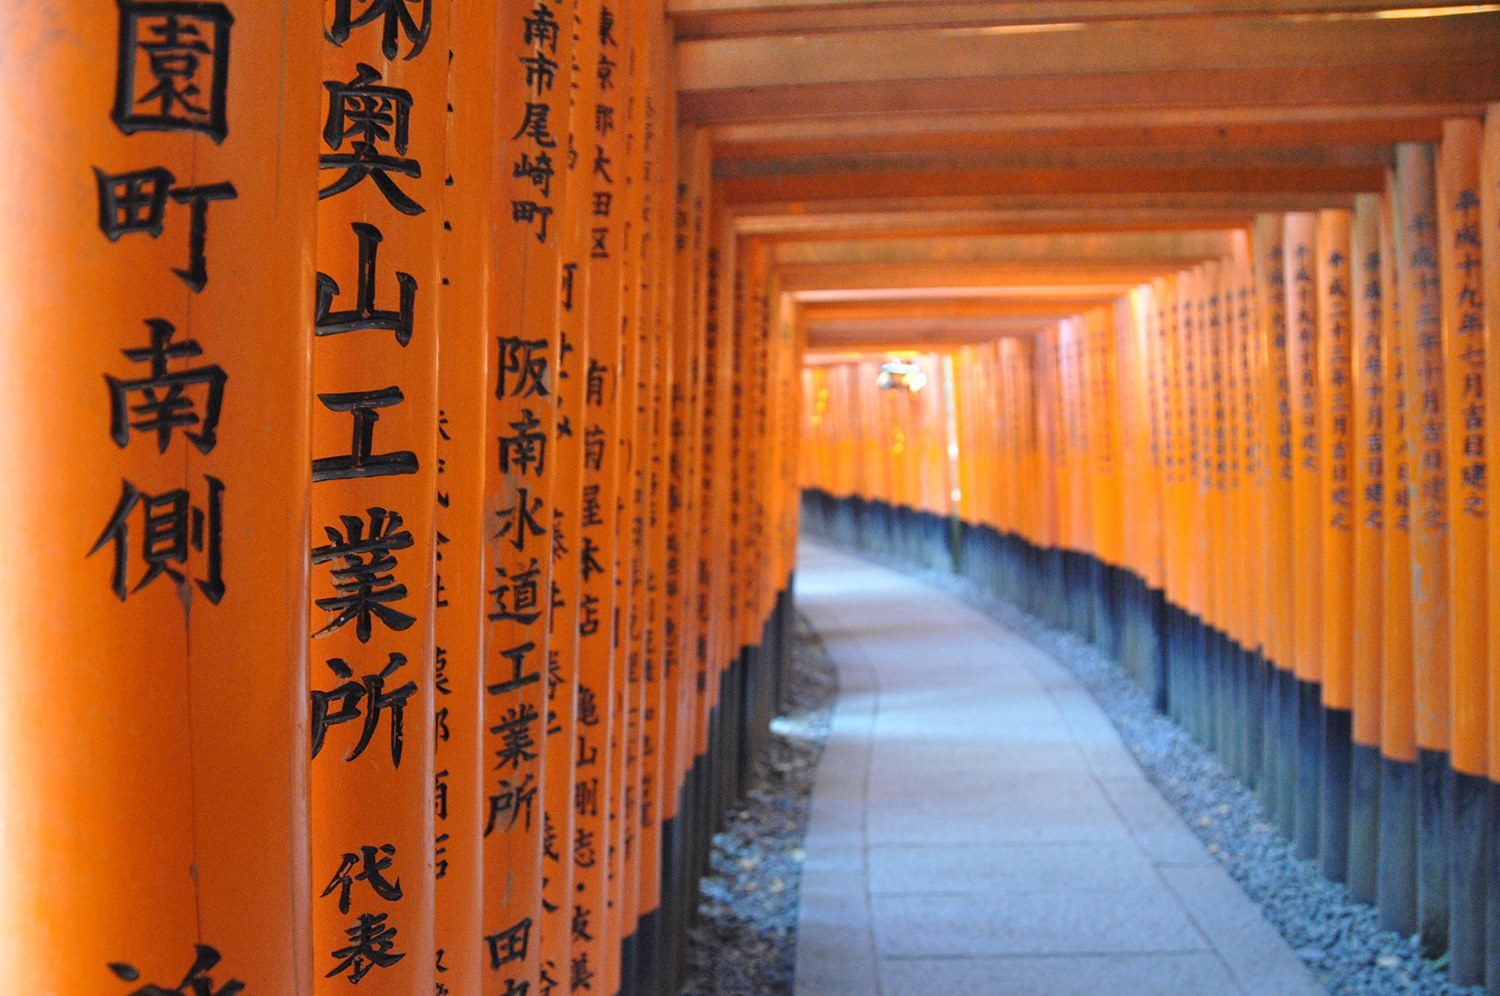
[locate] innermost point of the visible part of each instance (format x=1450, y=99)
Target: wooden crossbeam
x=1309, y=155
x=832, y=187
x=1101, y=247
x=1469, y=82
x=1077, y=273
x=921, y=309
x=1083, y=51
x=1020, y=126
x=703, y=19
x=1020, y=290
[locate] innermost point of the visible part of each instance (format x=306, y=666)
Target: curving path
x=977, y=826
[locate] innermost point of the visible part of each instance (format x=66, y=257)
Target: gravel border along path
x=745, y=940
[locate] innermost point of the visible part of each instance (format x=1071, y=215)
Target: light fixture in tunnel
x=901, y=375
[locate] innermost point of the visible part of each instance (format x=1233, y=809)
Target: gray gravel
x=1336, y=936
x=746, y=937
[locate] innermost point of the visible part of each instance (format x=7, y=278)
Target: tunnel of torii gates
x=403, y=409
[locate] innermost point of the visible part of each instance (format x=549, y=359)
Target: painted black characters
x=197, y=982
x=361, y=461
x=372, y=862
x=160, y=402
x=170, y=527
x=523, y=368
x=370, y=942
x=412, y=18
x=364, y=585
x=136, y=203
x=375, y=121
x=365, y=316
x=509, y=945
x=173, y=67
x=342, y=704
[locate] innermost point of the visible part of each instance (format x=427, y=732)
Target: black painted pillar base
x=1364, y=822
x=648, y=953
x=1469, y=844
x=1333, y=819
x=1492, y=890
x=1271, y=749
x=629, y=964
x=1397, y=881
x=1309, y=770
x=1434, y=789
x=1257, y=671
x=1161, y=652
x=1287, y=762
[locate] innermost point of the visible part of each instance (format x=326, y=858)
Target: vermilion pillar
x=154, y=423
x=531, y=100
x=563, y=915
x=1460, y=242
x=1196, y=286
x=684, y=651
x=1398, y=845
x=1272, y=377
x=1238, y=596
x=630, y=527
x=465, y=804
x=1218, y=612
x=1175, y=538
x=1489, y=204
x=1418, y=275
x=1368, y=481
x=1254, y=469
x=375, y=480
x=1300, y=267
x=1335, y=351
x=595, y=949
x=658, y=179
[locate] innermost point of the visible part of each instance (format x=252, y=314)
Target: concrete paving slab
x=1073, y=821
x=961, y=869
x=998, y=787
x=1055, y=921
x=977, y=826
x=1190, y=974
x=1028, y=756
x=1233, y=924
x=1153, y=822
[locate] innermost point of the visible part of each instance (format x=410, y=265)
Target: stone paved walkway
x=977, y=826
